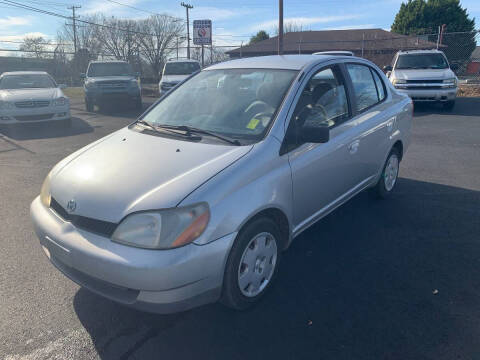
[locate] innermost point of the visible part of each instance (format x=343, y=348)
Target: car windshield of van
x=180, y=68
x=30, y=81
x=109, y=69
x=238, y=103
x=422, y=61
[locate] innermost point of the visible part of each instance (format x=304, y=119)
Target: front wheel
x=89, y=105
x=252, y=264
x=388, y=180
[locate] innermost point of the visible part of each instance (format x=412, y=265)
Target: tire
x=138, y=104
x=386, y=183
x=449, y=105
x=256, y=254
x=89, y=106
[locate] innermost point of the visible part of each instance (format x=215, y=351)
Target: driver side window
x=323, y=101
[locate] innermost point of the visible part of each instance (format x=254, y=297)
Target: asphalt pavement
x=391, y=279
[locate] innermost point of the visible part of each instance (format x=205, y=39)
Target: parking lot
x=392, y=279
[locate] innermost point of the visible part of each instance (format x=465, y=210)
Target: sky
x=233, y=21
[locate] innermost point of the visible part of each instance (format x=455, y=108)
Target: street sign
x=202, y=32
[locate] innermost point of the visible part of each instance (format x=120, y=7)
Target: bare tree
x=290, y=26
x=160, y=44
x=119, y=38
x=35, y=47
x=87, y=35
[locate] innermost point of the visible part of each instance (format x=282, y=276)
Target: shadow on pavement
x=46, y=130
x=464, y=106
x=117, y=109
x=360, y=284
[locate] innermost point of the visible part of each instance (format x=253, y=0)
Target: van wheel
x=388, y=180
x=252, y=264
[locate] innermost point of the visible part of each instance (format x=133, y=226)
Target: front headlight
x=6, y=105
x=399, y=81
x=45, y=196
x=90, y=84
x=163, y=229
x=61, y=101
x=452, y=81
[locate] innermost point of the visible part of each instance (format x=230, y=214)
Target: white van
x=175, y=71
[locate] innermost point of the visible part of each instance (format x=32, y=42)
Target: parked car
x=175, y=71
x=425, y=76
x=111, y=82
x=197, y=200
x=32, y=96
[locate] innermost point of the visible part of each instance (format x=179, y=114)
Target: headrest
x=320, y=90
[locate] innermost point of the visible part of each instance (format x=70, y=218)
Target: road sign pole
x=203, y=56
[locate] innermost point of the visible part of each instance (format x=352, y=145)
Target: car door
x=374, y=118
x=322, y=174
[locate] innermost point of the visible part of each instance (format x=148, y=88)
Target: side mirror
x=62, y=86
x=83, y=76
x=388, y=73
x=137, y=75
x=315, y=134
x=454, y=67
x=387, y=68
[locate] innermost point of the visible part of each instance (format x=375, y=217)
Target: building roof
x=330, y=40
x=288, y=62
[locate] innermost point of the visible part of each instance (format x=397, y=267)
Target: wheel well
x=399, y=146
x=280, y=219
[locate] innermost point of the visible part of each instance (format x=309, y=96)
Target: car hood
x=129, y=171
x=422, y=74
x=174, y=78
x=30, y=94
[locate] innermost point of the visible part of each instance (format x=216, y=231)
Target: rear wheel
x=252, y=264
x=388, y=180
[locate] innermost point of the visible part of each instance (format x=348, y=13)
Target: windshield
x=180, y=68
x=239, y=103
x=109, y=69
x=31, y=81
x=422, y=61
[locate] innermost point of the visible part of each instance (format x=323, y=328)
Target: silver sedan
x=196, y=200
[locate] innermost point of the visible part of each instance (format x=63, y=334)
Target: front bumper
x=161, y=281
x=34, y=115
x=98, y=96
x=433, y=95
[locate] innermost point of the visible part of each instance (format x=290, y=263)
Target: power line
x=133, y=7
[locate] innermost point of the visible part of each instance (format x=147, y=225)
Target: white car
x=32, y=97
x=175, y=71
x=425, y=76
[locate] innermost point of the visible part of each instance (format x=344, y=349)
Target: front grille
x=424, y=87
x=32, y=104
x=33, y=117
x=100, y=227
x=112, y=84
x=424, y=81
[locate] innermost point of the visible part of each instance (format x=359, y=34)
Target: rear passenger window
x=364, y=86
x=380, y=86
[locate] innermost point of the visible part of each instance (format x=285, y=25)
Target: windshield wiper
x=189, y=130
x=171, y=131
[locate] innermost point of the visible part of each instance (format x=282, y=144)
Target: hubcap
x=257, y=264
x=391, y=172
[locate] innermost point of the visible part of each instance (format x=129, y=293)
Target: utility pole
x=280, y=27
x=187, y=7
x=74, y=18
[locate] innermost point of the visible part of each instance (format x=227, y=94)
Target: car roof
x=287, y=62
x=333, y=52
x=25, y=73
x=108, y=62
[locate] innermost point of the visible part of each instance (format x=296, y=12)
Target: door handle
x=353, y=147
x=391, y=123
